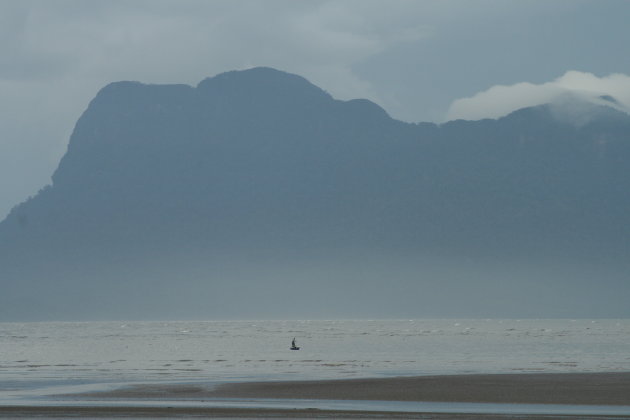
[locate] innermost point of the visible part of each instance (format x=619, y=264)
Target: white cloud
x=500, y=100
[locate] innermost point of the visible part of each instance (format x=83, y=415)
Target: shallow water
x=41, y=357
x=363, y=405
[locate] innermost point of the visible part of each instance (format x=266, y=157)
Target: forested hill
x=197, y=201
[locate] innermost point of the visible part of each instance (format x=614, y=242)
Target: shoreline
x=526, y=396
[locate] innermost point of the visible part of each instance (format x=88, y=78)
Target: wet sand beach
x=548, y=388
x=609, y=389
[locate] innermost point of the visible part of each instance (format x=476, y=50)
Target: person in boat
x=293, y=346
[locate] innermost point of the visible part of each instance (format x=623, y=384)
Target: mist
x=572, y=87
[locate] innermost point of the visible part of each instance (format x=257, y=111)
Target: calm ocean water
x=44, y=356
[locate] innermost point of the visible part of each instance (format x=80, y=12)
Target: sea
x=57, y=357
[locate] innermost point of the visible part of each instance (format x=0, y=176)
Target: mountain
x=257, y=194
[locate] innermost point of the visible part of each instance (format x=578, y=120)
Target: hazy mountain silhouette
x=258, y=194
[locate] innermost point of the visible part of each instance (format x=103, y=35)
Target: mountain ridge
x=259, y=180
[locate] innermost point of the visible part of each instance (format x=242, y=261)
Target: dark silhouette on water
x=293, y=346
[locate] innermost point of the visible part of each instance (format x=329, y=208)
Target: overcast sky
x=420, y=60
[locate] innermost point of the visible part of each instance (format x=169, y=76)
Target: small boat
x=293, y=346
